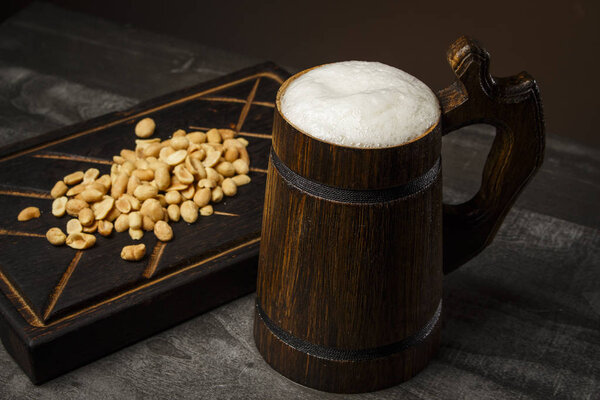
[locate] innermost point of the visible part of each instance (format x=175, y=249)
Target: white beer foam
x=360, y=104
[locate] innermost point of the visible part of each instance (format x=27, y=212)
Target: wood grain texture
x=521, y=318
x=513, y=106
x=353, y=276
x=58, y=300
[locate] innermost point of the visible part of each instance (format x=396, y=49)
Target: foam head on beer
x=360, y=104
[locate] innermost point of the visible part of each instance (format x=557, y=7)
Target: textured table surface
x=522, y=320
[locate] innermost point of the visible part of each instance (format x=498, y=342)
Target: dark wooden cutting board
x=61, y=308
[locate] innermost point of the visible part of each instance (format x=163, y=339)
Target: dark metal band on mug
x=355, y=196
x=336, y=354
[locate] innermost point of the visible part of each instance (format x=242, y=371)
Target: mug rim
x=289, y=80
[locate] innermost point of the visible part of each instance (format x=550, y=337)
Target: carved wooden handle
x=514, y=107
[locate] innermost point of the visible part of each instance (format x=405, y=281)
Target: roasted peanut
x=119, y=186
x=90, y=175
x=123, y=204
x=178, y=133
x=122, y=223
x=74, y=178
x=196, y=137
x=59, y=206
x=241, y=180
x=213, y=136
x=162, y=177
x=173, y=212
x=133, y=183
x=105, y=227
x=173, y=197
x=206, y=211
x=145, y=128
x=75, y=190
x=134, y=252
x=240, y=166
x=147, y=223
x=152, y=150
x=91, y=195
x=55, y=236
x=59, y=189
x=73, y=206
x=229, y=187
x=152, y=209
x=102, y=208
x=226, y=169
x=176, y=158
x=217, y=194
x=231, y=154
x=74, y=226
x=136, y=233
x=86, y=216
x=206, y=183
x=135, y=220
x=90, y=228
x=144, y=174
x=202, y=197
x=80, y=240
x=163, y=231
x=179, y=143
x=189, y=211
x=183, y=175
x=188, y=193
x=145, y=191
x=212, y=158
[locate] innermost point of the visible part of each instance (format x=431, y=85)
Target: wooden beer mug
x=355, y=242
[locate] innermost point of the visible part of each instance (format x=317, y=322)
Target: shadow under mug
x=355, y=241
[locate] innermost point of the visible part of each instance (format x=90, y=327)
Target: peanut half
x=56, y=236
x=28, y=213
x=133, y=252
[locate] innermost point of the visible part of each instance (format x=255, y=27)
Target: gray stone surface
x=522, y=320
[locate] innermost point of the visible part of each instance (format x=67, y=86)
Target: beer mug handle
x=513, y=106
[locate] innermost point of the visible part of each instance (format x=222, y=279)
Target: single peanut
x=173, y=197
x=91, y=195
x=173, y=212
x=105, y=227
x=229, y=187
x=123, y=204
x=73, y=206
x=91, y=228
x=74, y=226
x=90, y=175
x=189, y=211
x=163, y=231
x=28, y=213
x=217, y=194
x=152, y=209
x=59, y=206
x=226, y=169
x=80, y=240
x=55, y=236
x=145, y=128
x=213, y=136
x=86, y=216
x=202, y=197
x=188, y=193
x=196, y=137
x=59, y=189
x=102, y=208
x=144, y=174
x=179, y=143
x=241, y=180
x=119, y=186
x=240, y=166
x=162, y=177
x=176, y=158
x=212, y=158
x=122, y=223
x=133, y=183
x=147, y=223
x=227, y=133
x=183, y=175
x=231, y=154
x=136, y=233
x=74, y=178
x=206, y=210
x=145, y=191
x=178, y=133
x=134, y=252
x=135, y=220
x=152, y=150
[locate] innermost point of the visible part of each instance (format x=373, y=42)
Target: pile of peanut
x=157, y=183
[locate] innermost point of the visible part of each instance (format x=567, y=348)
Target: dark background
x=555, y=41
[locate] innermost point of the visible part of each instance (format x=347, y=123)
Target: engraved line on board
x=225, y=213
x=247, y=106
x=262, y=171
x=141, y=113
x=7, y=232
x=72, y=157
x=153, y=282
x=234, y=100
x=18, y=193
x=155, y=257
x=250, y=134
x=62, y=284
x=20, y=303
